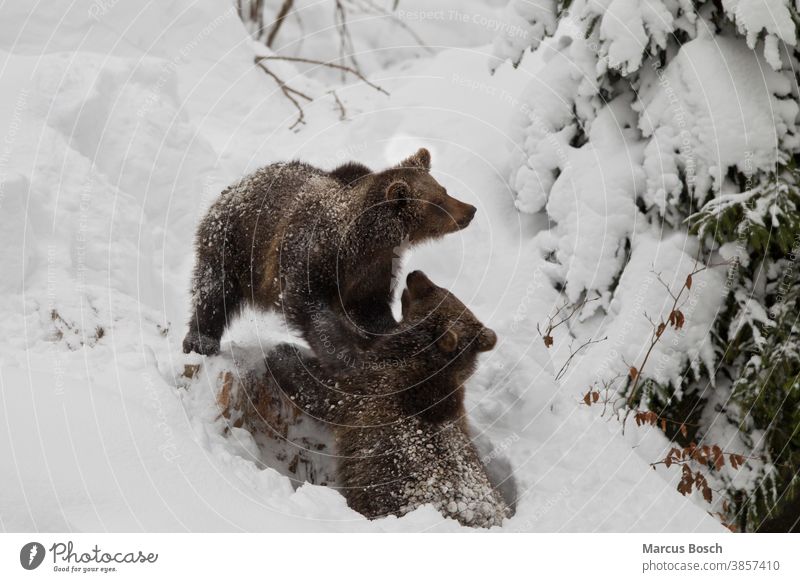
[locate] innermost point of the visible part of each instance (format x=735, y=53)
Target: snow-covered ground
x=122, y=121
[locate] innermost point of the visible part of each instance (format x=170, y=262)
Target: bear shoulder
x=350, y=172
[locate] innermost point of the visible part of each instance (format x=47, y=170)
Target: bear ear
x=421, y=160
x=397, y=190
x=487, y=339
x=448, y=342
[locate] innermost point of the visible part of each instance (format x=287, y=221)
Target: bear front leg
x=215, y=301
x=334, y=341
x=373, y=317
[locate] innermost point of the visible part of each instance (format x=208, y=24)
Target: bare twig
x=289, y=93
x=676, y=319
x=573, y=354
x=552, y=324
x=284, y=11
x=345, y=38
x=595, y=396
x=254, y=16
x=344, y=68
x=339, y=104
x=704, y=454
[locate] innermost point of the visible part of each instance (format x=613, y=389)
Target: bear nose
x=469, y=214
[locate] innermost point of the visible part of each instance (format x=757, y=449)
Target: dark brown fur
x=300, y=240
x=398, y=414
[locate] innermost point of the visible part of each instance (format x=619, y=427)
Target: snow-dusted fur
x=297, y=239
x=398, y=414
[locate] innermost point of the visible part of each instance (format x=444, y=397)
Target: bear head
x=453, y=336
x=423, y=205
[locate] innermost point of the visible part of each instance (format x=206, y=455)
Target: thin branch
x=339, y=104
x=689, y=460
x=663, y=284
x=284, y=11
x=573, y=354
x=675, y=318
x=552, y=324
x=289, y=93
x=345, y=38
x=345, y=68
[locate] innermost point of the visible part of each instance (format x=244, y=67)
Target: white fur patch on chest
x=400, y=256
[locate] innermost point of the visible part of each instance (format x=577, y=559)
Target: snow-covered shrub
x=648, y=118
x=530, y=21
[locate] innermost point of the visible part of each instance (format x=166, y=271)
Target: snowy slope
x=121, y=124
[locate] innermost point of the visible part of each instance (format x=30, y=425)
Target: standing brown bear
x=294, y=238
x=398, y=417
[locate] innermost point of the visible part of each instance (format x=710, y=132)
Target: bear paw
x=200, y=344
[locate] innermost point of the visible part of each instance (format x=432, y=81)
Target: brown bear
x=398, y=416
x=300, y=240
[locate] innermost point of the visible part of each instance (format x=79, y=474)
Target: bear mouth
x=466, y=219
x=464, y=223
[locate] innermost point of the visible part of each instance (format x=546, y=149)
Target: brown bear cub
x=301, y=240
x=398, y=417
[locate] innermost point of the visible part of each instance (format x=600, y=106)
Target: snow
x=623, y=28
x=690, y=114
x=687, y=116
x=640, y=295
x=560, y=84
x=593, y=202
x=770, y=16
x=527, y=23
x=627, y=28
x=125, y=121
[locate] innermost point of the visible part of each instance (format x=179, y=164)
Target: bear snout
x=487, y=340
x=461, y=213
x=417, y=284
x=469, y=215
